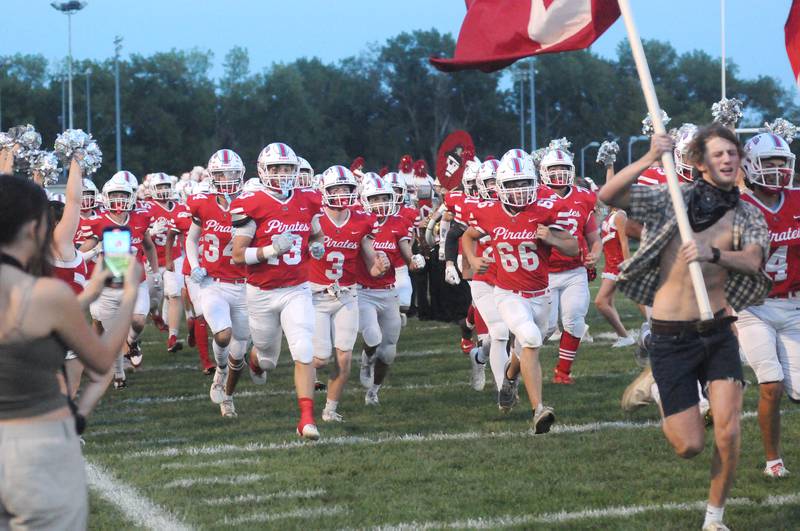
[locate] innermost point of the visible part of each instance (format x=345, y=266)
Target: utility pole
x=532, y=75
x=69, y=9
x=117, y=50
x=89, y=99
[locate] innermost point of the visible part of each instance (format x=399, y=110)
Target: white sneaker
x=227, y=409
x=639, y=392
x=778, y=470
x=715, y=526
x=257, y=375
x=478, y=377
x=217, y=391
x=366, y=372
x=371, y=398
x=624, y=342
x=331, y=415
x=309, y=432
x=587, y=337
x=543, y=419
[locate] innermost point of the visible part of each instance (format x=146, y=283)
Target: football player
x=349, y=236
x=769, y=334
x=522, y=231
x=277, y=231
x=410, y=214
x=569, y=283
x=222, y=282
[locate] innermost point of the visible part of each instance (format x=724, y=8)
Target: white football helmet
x=469, y=179
x=184, y=189
x=398, y=184
x=516, y=182
x=118, y=194
x=487, y=179
x=339, y=176
x=61, y=198
x=226, y=170
x=770, y=146
x=89, y=195
x=305, y=174
x=557, y=168
x=253, y=185
x=515, y=153
x=277, y=167
x=377, y=195
x=161, y=187
x=684, y=137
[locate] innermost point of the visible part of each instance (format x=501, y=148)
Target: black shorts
x=681, y=360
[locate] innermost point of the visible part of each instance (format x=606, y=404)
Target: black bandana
x=707, y=204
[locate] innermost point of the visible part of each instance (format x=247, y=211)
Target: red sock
x=306, y=411
x=201, y=337
x=567, y=348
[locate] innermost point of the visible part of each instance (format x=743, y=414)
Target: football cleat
x=621, y=342
x=715, y=526
x=642, y=353
x=562, y=378
x=366, y=372
x=217, y=392
x=159, y=322
x=174, y=344
x=478, y=377
x=329, y=415
x=190, y=339
x=466, y=346
x=639, y=393
x=211, y=369
x=320, y=386
x=587, y=337
x=371, y=398
x=257, y=374
x=778, y=470
x=543, y=419
x=508, y=397
x=403, y=320
x=134, y=354
x=120, y=383
x=227, y=408
x=308, y=431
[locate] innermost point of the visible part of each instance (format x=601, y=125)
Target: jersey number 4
x=776, y=265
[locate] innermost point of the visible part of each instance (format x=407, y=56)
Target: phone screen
x=117, y=252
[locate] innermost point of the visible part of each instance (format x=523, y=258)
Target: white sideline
x=402, y=438
x=586, y=514
x=259, y=498
x=134, y=506
x=271, y=517
x=226, y=480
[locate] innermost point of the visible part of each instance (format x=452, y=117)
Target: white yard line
x=400, y=438
x=586, y=514
x=271, y=517
x=216, y=480
x=136, y=508
x=259, y=498
x=206, y=464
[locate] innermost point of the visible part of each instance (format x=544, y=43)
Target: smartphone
x=117, y=253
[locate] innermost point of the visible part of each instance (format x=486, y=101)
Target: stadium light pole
x=89, y=100
x=631, y=141
x=532, y=74
x=69, y=9
x=583, y=156
x=63, y=102
x=117, y=49
x=521, y=78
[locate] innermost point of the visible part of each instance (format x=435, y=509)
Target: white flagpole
x=722, y=38
x=669, y=165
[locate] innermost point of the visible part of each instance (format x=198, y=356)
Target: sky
x=280, y=31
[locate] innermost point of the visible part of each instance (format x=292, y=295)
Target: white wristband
x=251, y=255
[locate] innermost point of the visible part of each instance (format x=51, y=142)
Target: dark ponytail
x=23, y=201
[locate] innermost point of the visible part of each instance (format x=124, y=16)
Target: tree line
x=383, y=103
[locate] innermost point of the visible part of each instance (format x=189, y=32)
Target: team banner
x=792, y=30
x=450, y=160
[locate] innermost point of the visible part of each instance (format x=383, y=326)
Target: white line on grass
x=259, y=498
x=401, y=438
x=206, y=464
x=271, y=517
x=585, y=514
x=127, y=499
x=217, y=480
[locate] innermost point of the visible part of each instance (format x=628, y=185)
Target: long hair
x=696, y=150
x=22, y=201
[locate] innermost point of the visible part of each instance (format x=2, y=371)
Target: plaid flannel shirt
x=651, y=206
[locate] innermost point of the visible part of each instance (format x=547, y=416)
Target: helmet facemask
x=120, y=201
x=559, y=175
x=227, y=182
x=380, y=204
x=88, y=200
x=304, y=179
x=517, y=192
x=162, y=192
x=279, y=178
x=764, y=171
x=339, y=199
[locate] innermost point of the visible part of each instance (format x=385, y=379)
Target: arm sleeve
x=451, y=242
x=192, y=237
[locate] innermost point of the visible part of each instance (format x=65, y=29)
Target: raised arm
x=64, y=233
x=616, y=191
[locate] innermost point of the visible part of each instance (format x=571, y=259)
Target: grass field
x=434, y=454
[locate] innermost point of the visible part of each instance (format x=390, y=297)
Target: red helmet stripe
x=282, y=149
x=517, y=166
x=225, y=156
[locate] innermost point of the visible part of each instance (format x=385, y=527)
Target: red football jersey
x=783, y=264
x=342, y=249
x=612, y=247
x=655, y=175
x=411, y=217
x=138, y=221
x=75, y=272
x=166, y=215
x=454, y=201
x=388, y=235
x=216, y=238
x=574, y=211
x=483, y=247
x=275, y=216
x=84, y=227
x=523, y=262
x=180, y=224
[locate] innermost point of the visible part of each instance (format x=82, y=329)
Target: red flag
x=495, y=33
x=792, y=30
